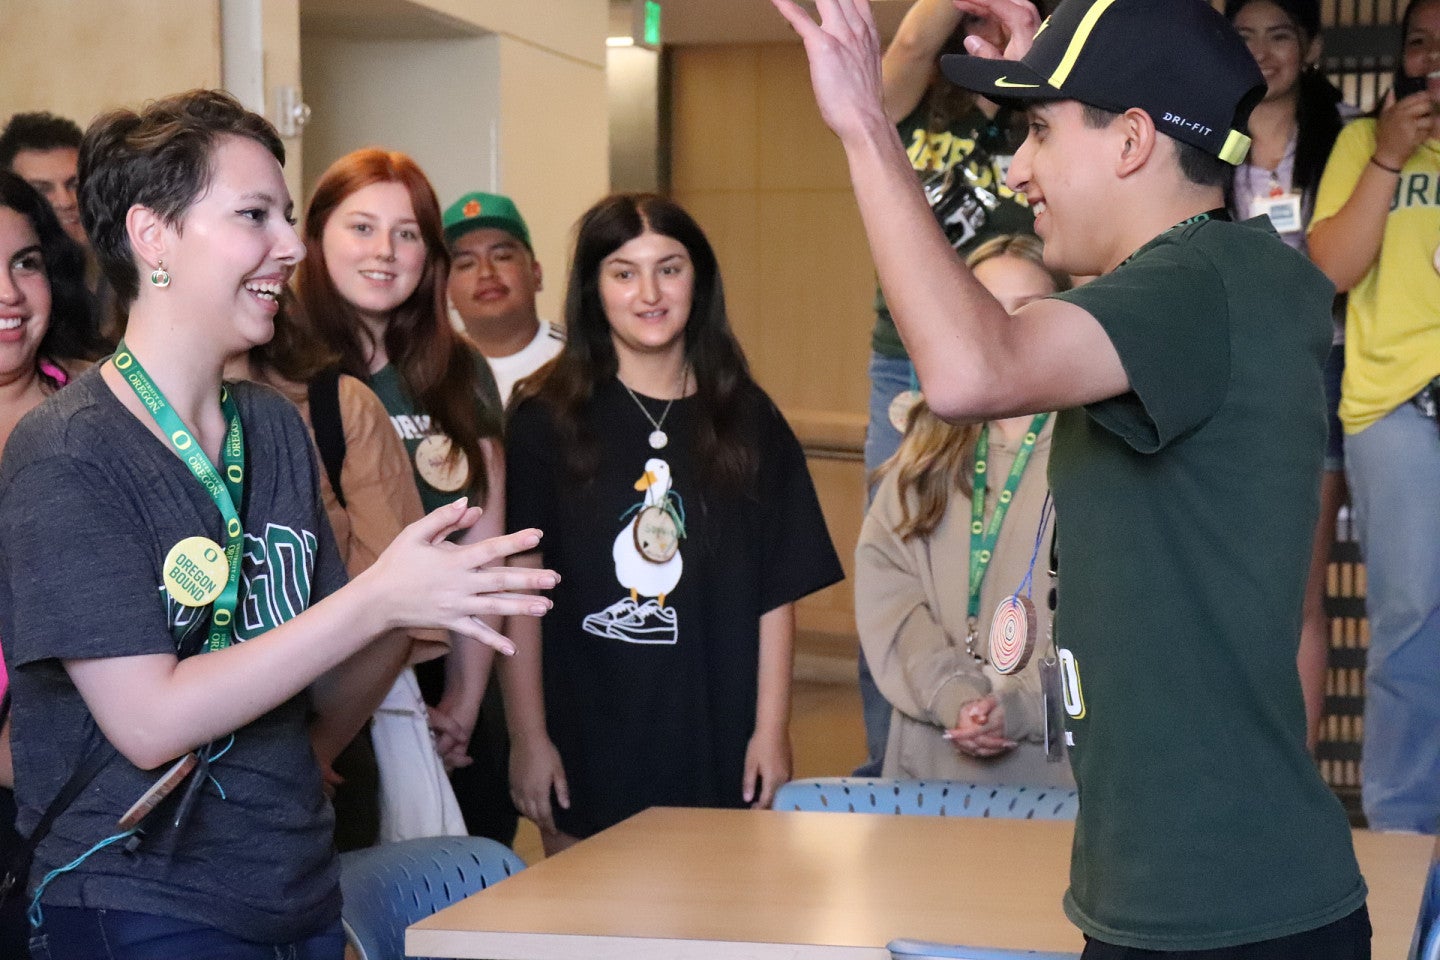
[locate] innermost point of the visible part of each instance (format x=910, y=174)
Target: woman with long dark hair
x=1293, y=129
x=172, y=600
x=681, y=517
x=373, y=287
x=1375, y=233
x=46, y=336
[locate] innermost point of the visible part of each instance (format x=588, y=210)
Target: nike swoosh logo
x=1005, y=83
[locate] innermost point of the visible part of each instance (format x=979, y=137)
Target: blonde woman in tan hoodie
x=927, y=639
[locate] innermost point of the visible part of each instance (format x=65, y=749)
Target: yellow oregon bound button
x=196, y=571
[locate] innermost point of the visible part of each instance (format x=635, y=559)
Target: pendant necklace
x=658, y=437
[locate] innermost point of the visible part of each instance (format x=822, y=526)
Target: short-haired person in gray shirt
x=1185, y=463
x=171, y=597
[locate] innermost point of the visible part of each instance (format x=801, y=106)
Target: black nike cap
x=1178, y=60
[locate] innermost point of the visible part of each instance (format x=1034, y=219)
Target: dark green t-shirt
x=982, y=148
x=413, y=426
x=1186, y=513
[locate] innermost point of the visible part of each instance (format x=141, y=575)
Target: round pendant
x=658, y=439
x=196, y=571
x=1012, y=634
x=433, y=463
x=657, y=538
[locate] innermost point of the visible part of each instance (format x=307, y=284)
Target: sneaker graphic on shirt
x=646, y=623
x=649, y=623
x=600, y=624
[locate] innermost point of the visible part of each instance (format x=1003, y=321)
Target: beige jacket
x=910, y=610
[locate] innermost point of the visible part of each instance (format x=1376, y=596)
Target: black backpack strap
x=329, y=428
x=17, y=870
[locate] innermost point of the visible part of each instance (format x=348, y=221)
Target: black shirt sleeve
x=531, y=464
x=798, y=555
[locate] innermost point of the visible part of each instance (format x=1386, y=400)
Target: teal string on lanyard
x=226, y=491
x=984, y=537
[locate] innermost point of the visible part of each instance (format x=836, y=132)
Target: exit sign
x=645, y=16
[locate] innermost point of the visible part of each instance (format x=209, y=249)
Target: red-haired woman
x=373, y=286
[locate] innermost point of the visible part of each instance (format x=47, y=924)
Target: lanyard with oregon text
x=196, y=572
x=983, y=537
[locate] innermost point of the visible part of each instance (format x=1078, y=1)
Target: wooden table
x=673, y=884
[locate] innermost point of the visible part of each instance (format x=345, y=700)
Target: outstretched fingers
x=1018, y=18
x=490, y=550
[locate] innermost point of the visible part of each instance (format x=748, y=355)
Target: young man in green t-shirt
x=1186, y=458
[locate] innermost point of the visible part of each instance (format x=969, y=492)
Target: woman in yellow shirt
x=1375, y=233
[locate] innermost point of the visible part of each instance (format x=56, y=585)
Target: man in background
x=494, y=278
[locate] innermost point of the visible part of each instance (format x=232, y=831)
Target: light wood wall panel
x=79, y=58
x=753, y=162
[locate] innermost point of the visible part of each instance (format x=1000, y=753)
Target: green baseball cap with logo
x=476, y=211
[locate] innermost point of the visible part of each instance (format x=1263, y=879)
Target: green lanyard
x=982, y=537
x=190, y=567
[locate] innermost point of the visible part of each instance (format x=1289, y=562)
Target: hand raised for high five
x=844, y=52
x=1017, y=18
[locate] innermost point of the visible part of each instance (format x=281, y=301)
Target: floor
x=825, y=728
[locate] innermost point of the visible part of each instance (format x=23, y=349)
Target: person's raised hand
x=1403, y=125
x=1019, y=21
x=844, y=53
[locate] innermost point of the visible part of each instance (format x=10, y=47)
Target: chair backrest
x=1427, y=929
x=935, y=798
x=389, y=887
x=925, y=950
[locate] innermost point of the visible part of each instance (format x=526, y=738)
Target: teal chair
x=389, y=887
x=936, y=798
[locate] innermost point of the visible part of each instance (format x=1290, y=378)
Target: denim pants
x=78, y=933
x=1393, y=468
x=888, y=377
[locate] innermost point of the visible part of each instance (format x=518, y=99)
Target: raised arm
x=908, y=67
x=974, y=362
x=1346, y=244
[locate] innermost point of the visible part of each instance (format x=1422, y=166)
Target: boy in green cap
x=494, y=278
x=1185, y=464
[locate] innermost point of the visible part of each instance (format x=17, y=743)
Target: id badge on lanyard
x=1283, y=211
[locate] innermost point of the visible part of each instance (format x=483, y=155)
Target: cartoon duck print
x=647, y=563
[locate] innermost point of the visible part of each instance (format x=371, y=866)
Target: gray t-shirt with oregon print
x=90, y=504
x=1186, y=512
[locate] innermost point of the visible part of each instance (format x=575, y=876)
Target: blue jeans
x=888, y=377
x=1393, y=468
x=78, y=933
